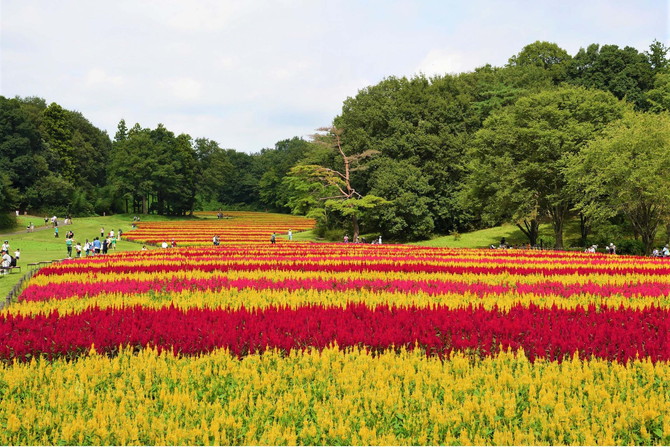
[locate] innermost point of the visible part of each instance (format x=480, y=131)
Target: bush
x=7, y=221
x=630, y=247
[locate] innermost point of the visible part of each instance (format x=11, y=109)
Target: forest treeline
x=549, y=137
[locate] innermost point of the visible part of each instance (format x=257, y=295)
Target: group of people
x=99, y=245
x=662, y=253
x=172, y=244
x=362, y=240
x=609, y=249
x=7, y=260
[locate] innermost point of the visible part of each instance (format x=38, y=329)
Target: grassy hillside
x=41, y=245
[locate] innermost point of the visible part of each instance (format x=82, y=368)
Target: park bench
x=11, y=269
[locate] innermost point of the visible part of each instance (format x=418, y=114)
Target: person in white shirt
x=164, y=245
x=6, y=262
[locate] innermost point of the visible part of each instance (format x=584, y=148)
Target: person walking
x=290, y=235
x=56, y=231
x=97, y=245
x=68, y=245
x=273, y=238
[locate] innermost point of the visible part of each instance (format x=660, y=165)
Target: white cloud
x=182, y=88
x=97, y=77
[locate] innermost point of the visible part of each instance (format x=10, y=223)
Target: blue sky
x=250, y=73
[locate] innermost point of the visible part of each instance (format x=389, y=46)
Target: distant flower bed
x=238, y=227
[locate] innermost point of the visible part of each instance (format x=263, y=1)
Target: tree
x=58, y=133
x=625, y=171
x=518, y=156
x=344, y=198
x=22, y=152
x=658, y=56
x=625, y=72
x=213, y=169
x=659, y=96
x=407, y=216
x=122, y=131
x=543, y=60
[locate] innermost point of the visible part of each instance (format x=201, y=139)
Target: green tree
x=407, y=216
x=58, y=132
x=541, y=60
x=518, y=156
x=625, y=72
x=22, y=153
x=659, y=96
x=343, y=197
x=213, y=169
x=625, y=171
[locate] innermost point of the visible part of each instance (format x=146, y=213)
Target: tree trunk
x=558, y=214
x=648, y=241
x=354, y=223
x=145, y=205
x=531, y=229
x=584, y=228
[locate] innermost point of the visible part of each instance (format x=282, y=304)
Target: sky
x=250, y=73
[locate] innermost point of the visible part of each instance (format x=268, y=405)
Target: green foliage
x=516, y=159
x=625, y=72
x=659, y=96
x=625, y=171
x=51, y=194
x=406, y=215
x=542, y=60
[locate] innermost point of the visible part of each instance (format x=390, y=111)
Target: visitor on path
x=174, y=244
x=87, y=247
x=17, y=254
x=68, y=245
x=120, y=233
x=5, y=246
x=164, y=245
x=290, y=235
x=665, y=252
x=105, y=246
x=144, y=247
x=380, y=239
x=215, y=240
x=102, y=232
x=77, y=248
x=273, y=238
x=56, y=231
x=346, y=238
x=97, y=246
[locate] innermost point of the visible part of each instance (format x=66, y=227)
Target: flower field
x=302, y=343
x=239, y=227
